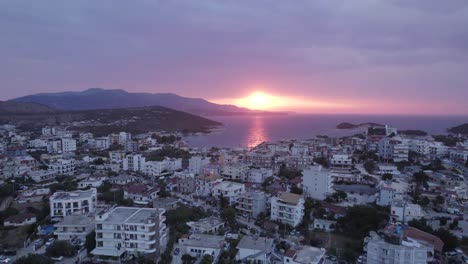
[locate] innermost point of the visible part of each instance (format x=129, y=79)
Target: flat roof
x=75, y=220
x=206, y=241
x=256, y=243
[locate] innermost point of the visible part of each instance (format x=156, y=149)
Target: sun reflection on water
x=257, y=133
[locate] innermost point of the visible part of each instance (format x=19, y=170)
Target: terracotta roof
x=138, y=188
x=423, y=236
x=19, y=218
x=290, y=253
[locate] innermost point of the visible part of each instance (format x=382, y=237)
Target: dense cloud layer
x=413, y=52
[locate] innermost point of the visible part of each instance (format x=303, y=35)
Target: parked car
x=4, y=259
x=58, y=259
x=176, y=251
x=50, y=241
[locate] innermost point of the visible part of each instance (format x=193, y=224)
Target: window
x=100, y=244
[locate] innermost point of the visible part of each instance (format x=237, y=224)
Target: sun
x=258, y=100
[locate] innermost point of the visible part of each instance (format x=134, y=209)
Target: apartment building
x=204, y=184
x=129, y=229
x=134, y=162
x=68, y=145
x=140, y=193
x=402, y=244
x=63, y=166
x=341, y=163
x=259, y=175
x=251, y=203
x=317, y=182
x=229, y=190
x=73, y=203
x=42, y=175
x=304, y=255
x=404, y=211
x=288, y=208
x=255, y=249
x=393, y=149
x=234, y=171
x=74, y=226
x=196, y=164
x=101, y=143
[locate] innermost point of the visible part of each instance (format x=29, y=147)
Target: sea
x=249, y=131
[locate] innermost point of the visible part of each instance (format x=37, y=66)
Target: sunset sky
x=324, y=56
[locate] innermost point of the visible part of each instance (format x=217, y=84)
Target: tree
x=296, y=190
x=443, y=221
x=289, y=173
x=454, y=224
x=90, y=242
x=339, y=196
x=187, y=259
x=370, y=166
x=34, y=259
x=466, y=163
x=439, y=199
x=361, y=219
x=424, y=201
x=98, y=161
x=322, y=161
x=207, y=259
x=420, y=177
x=387, y=177
x=61, y=248
x=228, y=214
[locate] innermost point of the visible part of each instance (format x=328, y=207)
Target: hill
x=461, y=129
x=23, y=108
x=346, y=125
x=97, y=98
x=106, y=121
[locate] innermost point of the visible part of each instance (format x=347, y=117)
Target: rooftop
x=256, y=243
x=206, y=241
x=206, y=223
x=290, y=198
x=76, y=220
x=131, y=215
x=74, y=195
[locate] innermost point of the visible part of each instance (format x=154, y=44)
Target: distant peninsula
x=346, y=125
x=461, y=129
x=413, y=132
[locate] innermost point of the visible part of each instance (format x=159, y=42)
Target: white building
x=68, y=145
x=251, y=203
x=101, y=143
x=73, y=203
x=317, y=182
x=197, y=163
x=403, y=211
x=234, y=171
x=341, y=161
x=42, y=175
x=402, y=244
x=63, y=167
x=204, y=184
x=140, y=193
x=304, y=255
x=124, y=137
x=255, y=249
x=134, y=162
x=129, y=229
x=393, y=149
x=91, y=182
x=198, y=245
x=168, y=165
x=259, y=175
x=288, y=208
x=74, y=226
x=84, y=137
x=48, y=131
x=229, y=190
x=54, y=146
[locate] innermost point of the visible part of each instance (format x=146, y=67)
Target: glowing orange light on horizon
x=259, y=100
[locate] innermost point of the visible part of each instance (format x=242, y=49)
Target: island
x=461, y=129
x=413, y=132
x=346, y=125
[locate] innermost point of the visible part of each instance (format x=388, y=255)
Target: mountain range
x=98, y=98
x=33, y=116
